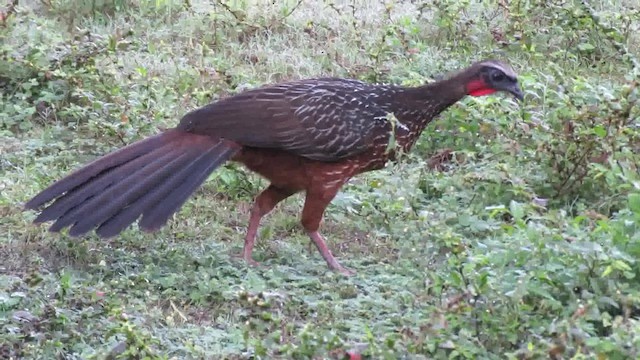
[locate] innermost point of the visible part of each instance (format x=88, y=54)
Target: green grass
x=524, y=245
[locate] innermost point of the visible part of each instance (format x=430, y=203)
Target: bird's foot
x=333, y=264
x=344, y=270
x=249, y=260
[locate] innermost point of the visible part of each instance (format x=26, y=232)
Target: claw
x=251, y=262
x=345, y=271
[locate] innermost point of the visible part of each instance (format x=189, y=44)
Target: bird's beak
x=516, y=92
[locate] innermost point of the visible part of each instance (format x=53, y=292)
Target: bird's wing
x=321, y=119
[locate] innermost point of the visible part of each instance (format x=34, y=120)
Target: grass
x=523, y=245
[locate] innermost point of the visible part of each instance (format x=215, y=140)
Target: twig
x=291, y=11
x=11, y=10
x=229, y=9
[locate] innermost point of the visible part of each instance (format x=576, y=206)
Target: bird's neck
x=438, y=95
x=423, y=103
x=416, y=107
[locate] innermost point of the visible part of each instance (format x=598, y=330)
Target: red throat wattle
x=478, y=88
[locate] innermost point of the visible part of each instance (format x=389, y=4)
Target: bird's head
x=490, y=76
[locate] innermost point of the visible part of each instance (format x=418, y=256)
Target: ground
x=510, y=231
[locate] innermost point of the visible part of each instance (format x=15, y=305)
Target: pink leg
x=263, y=204
x=314, y=206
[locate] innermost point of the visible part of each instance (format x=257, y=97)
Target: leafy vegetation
x=509, y=232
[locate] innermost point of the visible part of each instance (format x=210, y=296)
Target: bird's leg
x=314, y=206
x=263, y=204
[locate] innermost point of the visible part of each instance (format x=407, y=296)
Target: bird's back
x=324, y=119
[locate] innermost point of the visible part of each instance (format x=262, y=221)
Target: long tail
x=152, y=177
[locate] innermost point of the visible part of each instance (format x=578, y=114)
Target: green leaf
x=516, y=209
x=586, y=47
x=600, y=131
x=634, y=202
x=621, y=265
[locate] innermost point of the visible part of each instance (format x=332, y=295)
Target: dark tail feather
x=101, y=181
x=105, y=205
x=153, y=177
x=155, y=217
x=156, y=206
x=92, y=169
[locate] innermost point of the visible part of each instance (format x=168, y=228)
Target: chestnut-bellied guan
x=308, y=135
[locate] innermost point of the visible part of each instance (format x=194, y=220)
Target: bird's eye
x=497, y=76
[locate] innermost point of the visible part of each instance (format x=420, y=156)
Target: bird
x=309, y=135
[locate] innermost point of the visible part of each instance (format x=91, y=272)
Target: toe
x=345, y=271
